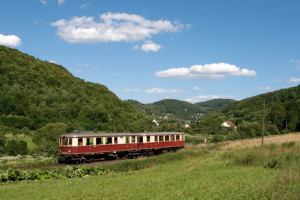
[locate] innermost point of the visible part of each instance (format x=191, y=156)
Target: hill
x=34, y=93
x=282, y=114
x=182, y=110
x=215, y=104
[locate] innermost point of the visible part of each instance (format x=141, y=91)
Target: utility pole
x=263, y=124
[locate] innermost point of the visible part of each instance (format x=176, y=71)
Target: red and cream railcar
x=84, y=147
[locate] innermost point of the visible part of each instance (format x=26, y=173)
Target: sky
x=191, y=50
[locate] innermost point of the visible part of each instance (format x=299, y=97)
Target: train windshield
x=65, y=141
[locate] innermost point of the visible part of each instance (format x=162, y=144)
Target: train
x=89, y=147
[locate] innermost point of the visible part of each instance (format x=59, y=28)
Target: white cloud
x=96, y=67
x=10, y=40
x=294, y=80
x=205, y=72
x=84, y=5
x=264, y=88
x=128, y=90
x=198, y=89
x=76, y=70
x=52, y=61
x=148, y=46
x=164, y=91
x=207, y=97
x=297, y=62
x=112, y=27
x=44, y=2
x=61, y=2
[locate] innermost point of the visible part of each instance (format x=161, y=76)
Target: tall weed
x=286, y=155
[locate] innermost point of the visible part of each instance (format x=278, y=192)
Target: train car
x=87, y=147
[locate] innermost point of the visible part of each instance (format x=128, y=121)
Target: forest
x=281, y=115
x=180, y=110
x=34, y=93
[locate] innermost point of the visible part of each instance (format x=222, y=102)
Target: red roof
x=230, y=123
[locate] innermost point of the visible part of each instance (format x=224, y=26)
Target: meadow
x=260, y=172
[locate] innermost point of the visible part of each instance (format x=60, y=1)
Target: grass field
x=218, y=174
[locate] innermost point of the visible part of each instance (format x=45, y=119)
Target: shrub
x=217, y=138
x=46, y=138
x=15, y=147
x=288, y=144
x=233, y=136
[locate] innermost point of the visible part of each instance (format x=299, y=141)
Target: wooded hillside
x=282, y=115
x=34, y=93
x=182, y=110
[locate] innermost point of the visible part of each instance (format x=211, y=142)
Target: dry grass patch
x=273, y=139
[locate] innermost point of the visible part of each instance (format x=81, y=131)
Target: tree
x=15, y=147
x=2, y=142
x=47, y=137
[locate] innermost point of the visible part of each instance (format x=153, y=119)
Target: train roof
x=119, y=134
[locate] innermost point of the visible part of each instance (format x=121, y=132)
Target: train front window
x=64, y=141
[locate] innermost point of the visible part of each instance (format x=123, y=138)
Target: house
x=228, y=124
x=186, y=126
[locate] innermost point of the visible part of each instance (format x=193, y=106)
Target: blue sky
x=190, y=50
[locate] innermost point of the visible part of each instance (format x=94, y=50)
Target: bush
x=46, y=138
x=217, y=138
x=233, y=136
x=194, y=139
x=15, y=147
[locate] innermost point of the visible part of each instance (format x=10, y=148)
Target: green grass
x=203, y=175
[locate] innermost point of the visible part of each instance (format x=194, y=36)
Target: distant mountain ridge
x=182, y=110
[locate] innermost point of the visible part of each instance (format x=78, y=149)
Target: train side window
x=161, y=138
x=156, y=138
x=140, y=139
x=148, y=138
x=115, y=139
x=108, y=140
x=133, y=139
x=172, y=138
x=80, y=142
x=177, y=137
x=126, y=140
x=98, y=141
x=70, y=142
x=167, y=138
x=89, y=141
